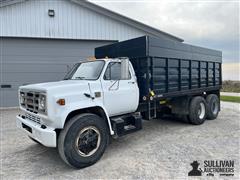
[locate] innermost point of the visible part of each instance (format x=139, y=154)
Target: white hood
x=55, y=85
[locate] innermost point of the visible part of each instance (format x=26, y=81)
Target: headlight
x=22, y=98
x=42, y=102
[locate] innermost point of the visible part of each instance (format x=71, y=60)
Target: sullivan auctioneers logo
x=212, y=167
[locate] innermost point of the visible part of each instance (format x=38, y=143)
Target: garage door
x=26, y=61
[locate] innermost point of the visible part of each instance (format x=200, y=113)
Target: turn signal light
x=61, y=102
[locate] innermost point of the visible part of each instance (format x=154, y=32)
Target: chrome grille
x=33, y=118
x=31, y=101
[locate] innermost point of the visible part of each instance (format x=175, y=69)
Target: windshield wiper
x=82, y=78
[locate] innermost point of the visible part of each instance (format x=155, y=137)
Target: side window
x=113, y=71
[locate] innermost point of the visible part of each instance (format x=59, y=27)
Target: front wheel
x=83, y=140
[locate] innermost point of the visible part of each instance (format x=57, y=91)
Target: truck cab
x=101, y=89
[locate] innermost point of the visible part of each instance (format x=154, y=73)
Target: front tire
x=83, y=140
x=197, y=110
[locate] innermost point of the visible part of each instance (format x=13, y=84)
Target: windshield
x=86, y=70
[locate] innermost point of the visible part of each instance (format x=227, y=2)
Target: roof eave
x=10, y=2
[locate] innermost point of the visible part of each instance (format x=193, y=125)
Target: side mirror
x=124, y=68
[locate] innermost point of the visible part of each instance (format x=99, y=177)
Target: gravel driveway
x=164, y=149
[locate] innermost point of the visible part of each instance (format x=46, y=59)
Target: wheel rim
x=201, y=111
x=214, y=108
x=88, y=141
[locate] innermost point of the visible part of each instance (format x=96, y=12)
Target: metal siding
x=26, y=61
x=71, y=21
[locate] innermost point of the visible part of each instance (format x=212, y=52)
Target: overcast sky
x=213, y=24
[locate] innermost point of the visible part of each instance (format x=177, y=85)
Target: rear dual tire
x=213, y=104
x=197, y=110
x=201, y=109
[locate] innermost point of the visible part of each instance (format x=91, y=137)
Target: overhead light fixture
x=51, y=13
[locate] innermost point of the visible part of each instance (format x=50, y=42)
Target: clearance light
x=91, y=58
x=61, y=102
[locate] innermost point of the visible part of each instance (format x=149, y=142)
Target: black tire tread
x=193, y=117
x=63, y=134
x=210, y=115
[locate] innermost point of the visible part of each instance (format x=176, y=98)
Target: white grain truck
x=110, y=96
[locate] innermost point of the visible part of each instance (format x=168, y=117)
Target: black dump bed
x=167, y=67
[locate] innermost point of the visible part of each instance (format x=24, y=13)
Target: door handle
x=131, y=82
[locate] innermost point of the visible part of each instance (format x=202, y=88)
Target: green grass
x=230, y=99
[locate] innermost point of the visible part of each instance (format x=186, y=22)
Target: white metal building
x=41, y=39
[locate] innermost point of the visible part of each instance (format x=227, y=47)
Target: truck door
x=120, y=96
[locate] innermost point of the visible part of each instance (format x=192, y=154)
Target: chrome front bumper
x=44, y=135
